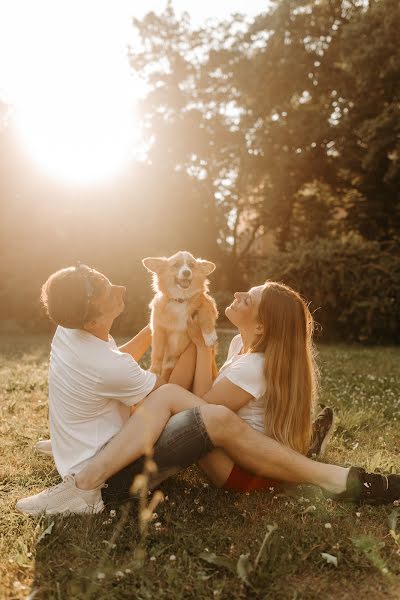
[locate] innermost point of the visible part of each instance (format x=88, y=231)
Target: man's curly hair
x=64, y=296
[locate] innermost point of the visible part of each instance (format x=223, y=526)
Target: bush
x=353, y=286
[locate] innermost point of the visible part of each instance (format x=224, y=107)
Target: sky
x=64, y=71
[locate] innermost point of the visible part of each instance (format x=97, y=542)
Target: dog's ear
x=206, y=266
x=154, y=265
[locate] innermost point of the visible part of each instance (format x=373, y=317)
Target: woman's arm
x=203, y=379
x=139, y=344
x=228, y=394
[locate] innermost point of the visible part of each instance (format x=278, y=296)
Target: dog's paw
x=210, y=338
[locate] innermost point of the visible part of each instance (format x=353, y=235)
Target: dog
x=181, y=287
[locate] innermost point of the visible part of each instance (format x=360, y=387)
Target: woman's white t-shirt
x=247, y=372
x=92, y=386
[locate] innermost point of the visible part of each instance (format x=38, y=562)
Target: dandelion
x=328, y=526
x=172, y=557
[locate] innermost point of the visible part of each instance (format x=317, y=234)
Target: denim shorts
x=182, y=443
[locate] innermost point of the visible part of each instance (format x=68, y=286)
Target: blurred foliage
x=353, y=286
x=285, y=127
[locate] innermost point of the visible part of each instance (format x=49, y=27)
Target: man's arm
x=138, y=345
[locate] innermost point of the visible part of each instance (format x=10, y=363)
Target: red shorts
x=242, y=481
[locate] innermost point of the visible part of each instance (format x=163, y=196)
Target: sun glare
x=65, y=70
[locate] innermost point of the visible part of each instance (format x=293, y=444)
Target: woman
x=275, y=346
x=269, y=379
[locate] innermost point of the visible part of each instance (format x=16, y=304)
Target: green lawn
x=204, y=542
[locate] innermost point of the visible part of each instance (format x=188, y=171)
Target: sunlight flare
x=68, y=78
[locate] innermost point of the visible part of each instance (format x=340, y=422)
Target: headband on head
x=85, y=272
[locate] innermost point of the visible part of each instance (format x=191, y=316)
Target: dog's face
x=179, y=272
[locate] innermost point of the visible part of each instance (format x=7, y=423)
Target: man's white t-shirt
x=92, y=386
x=247, y=372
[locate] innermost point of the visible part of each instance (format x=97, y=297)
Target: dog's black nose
x=186, y=273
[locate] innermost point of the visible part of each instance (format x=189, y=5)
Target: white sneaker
x=44, y=447
x=63, y=498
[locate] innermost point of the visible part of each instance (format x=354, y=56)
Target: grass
x=203, y=542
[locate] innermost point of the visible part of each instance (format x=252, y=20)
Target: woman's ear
x=259, y=329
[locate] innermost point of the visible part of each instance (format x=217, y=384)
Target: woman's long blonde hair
x=290, y=369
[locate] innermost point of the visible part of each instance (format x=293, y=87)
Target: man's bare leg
x=265, y=457
x=251, y=450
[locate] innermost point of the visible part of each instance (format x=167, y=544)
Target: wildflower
x=152, y=558
x=101, y=575
x=119, y=574
x=113, y=513
x=328, y=526
x=127, y=571
x=358, y=514
x=172, y=557
x=200, y=509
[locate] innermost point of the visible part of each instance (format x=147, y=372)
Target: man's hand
x=138, y=345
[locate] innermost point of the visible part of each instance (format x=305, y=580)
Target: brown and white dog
x=181, y=287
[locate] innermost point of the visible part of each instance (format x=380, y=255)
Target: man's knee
x=220, y=422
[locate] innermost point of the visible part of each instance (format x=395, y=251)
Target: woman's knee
x=219, y=421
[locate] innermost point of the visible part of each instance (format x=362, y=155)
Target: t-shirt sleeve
x=124, y=379
x=248, y=374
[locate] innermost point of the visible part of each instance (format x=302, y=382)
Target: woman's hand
x=195, y=333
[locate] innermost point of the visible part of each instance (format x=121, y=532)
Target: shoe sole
x=90, y=510
x=44, y=452
x=327, y=438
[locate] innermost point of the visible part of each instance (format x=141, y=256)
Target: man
x=93, y=385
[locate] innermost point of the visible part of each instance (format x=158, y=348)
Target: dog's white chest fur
x=175, y=316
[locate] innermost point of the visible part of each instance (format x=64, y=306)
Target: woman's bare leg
x=250, y=449
x=138, y=435
x=217, y=466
